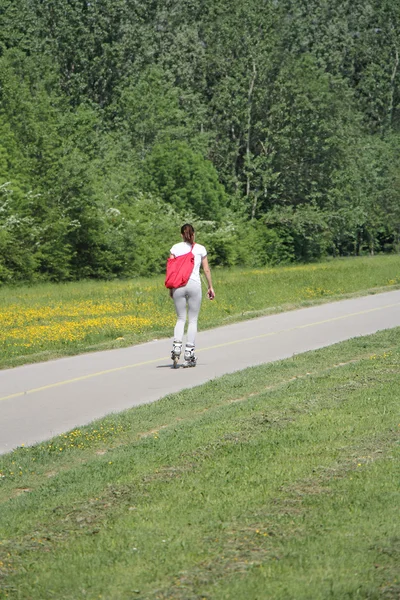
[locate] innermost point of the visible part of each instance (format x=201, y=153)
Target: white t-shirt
x=199, y=252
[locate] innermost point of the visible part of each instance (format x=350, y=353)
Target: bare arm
x=171, y=291
x=207, y=273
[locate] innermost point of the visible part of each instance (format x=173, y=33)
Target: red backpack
x=179, y=269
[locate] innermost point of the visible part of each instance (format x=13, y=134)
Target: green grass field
x=50, y=320
x=280, y=482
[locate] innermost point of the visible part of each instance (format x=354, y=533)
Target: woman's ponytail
x=187, y=232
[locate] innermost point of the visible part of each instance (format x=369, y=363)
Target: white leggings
x=190, y=296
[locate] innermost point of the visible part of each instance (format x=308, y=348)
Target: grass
x=279, y=482
x=50, y=320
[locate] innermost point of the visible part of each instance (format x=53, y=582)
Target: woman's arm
x=171, y=291
x=207, y=273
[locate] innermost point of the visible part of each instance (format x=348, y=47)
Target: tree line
x=273, y=125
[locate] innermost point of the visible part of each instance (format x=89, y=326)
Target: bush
x=183, y=178
x=247, y=243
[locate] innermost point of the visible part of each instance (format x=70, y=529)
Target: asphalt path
x=42, y=400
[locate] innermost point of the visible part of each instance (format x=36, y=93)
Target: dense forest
x=272, y=125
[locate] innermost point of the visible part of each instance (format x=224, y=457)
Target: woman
x=189, y=296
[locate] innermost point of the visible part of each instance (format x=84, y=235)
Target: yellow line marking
x=82, y=378
x=257, y=337
x=156, y=360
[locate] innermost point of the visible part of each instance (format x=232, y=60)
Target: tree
x=306, y=132
x=184, y=179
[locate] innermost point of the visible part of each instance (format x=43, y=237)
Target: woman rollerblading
x=187, y=298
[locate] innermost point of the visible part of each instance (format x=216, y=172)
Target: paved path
x=42, y=400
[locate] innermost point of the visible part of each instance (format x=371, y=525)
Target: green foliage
x=283, y=132
x=306, y=134
x=152, y=111
x=185, y=179
x=304, y=228
x=248, y=244
x=362, y=207
x=17, y=236
x=140, y=234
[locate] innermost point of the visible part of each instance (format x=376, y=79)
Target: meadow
x=276, y=483
x=45, y=321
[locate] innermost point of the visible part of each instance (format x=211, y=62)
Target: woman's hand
x=171, y=293
x=207, y=273
x=210, y=293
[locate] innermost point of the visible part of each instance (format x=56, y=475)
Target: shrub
x=185, y=179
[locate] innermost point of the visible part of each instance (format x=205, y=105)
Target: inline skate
x=175, y=353
x=189, y=357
